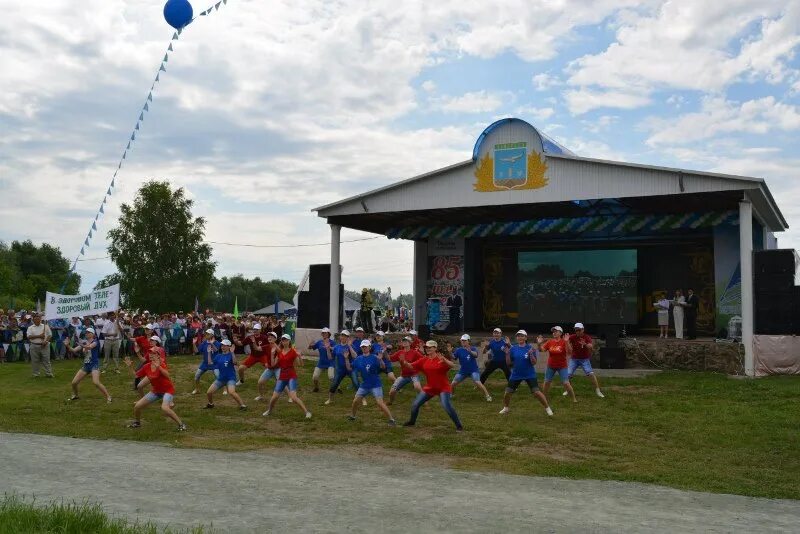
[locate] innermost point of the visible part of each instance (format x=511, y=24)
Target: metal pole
x=746, y=262
x=334, y=311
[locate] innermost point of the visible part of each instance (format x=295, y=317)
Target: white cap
x=380, y=333
x=497, y=330
x=579, y=325
x=146, y=312
x=522, y=333
x=90, y=330
x=326, y=330
x=359, y=329
x=286, y=336
x=431, y=343
x=148, y=326
x=226, y=342
x=407, y=339
x=366, y=343
x=557, y=328
x=345, y=332
x=256, y=326
x=412, y=332
x=155, y=338
x=210, y=331
x=273, y=334
x=465, y=337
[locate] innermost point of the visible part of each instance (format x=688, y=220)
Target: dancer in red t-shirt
x=582, y=349
x=435, y=366
x=408, y=375
x=155, y=370
x=558, y=350
x=287, y=358
x=258, y=344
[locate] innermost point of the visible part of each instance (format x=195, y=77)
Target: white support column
x=336, y=279
x=420, y=282
x=746, y=262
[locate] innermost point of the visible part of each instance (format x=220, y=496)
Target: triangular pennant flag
x=150, y=96
x=137, y=126
x=129, y=146
x=82, y=248
x=170, y=48
x=162, y=69
x=141, y=116
x=166, y=58
x=146, y=107
x=124, y=154
x=105, y=199
x=203, y=14
x=112, y=181
x=94, y=224
x=225, y=2
x=180, y=30
x=101, y=209
x=90, y=235
x=133, y=136
x=174, y=36
x=96, y=216
x=107, y=193
x=216, y=6
x=119, y=166
x=159, y=75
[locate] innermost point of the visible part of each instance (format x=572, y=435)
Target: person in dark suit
x=692, y=305
x=454, y=303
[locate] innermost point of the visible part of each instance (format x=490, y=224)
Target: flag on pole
x=38, y=306
x=236, y=308
x=196, y=304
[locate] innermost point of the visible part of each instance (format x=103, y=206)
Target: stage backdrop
x=445, y=288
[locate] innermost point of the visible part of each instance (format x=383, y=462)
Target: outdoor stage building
x=527, y=234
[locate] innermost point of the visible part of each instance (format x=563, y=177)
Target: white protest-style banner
x=99, y=301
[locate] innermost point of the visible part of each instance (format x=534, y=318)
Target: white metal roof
x=570, y=178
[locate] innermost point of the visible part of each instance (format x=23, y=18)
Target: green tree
x=28, y=271
x=253, y=293
x=159, y=252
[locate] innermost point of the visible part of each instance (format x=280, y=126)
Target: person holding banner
x=89, y=349
x=39, y=336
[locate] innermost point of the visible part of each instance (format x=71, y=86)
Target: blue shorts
x=513, y=384
x=403, y=381
x=563, y=374
x=269, y=373
x=219, y=384
x=475, y=376
x=89, y=367
x=365, y=392
x=585, y=364
x=153, y=397
x=281, y=385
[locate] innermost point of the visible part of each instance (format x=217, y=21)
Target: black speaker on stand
x=313, y=305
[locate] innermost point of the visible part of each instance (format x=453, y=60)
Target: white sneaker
x=108, y=400
x=363, y=402
x=599, y=393
x=239, y=383
x=291, y=401
x=265, y=414
x=549, y=411
x=225, y=392
x=565, y=393
x=308, y=415
x=488, y=398
x=258, y=398
x=328, y=402
x=194, y=392
x=504, y=410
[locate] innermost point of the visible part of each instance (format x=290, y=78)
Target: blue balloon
x=178, y=13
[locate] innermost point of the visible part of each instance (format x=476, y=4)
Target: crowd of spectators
x=180, y=332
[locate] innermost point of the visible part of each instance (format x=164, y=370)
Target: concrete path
x=324, y=491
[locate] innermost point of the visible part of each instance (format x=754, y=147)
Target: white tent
x=283, y=308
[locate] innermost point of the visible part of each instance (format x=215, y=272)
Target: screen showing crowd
x=592, y=286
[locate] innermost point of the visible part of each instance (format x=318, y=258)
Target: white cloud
x=719, y=116
x=544, y=81
x=474, y=102
x=534, y=113
x=429, y=86
x=600, y=124
x=582, y=100
x=689, y=45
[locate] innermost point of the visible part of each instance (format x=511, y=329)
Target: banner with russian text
x=99, y=301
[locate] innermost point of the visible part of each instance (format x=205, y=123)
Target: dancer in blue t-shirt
x=89, y=349
x=467, y=357
x=522, y=359
x=225, y=365
x=369, y=366
x=208, y=348
x=325, y=361
x=381, y=347
x=343, y=355
x=497, y=355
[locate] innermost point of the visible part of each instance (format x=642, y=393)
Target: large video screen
x=590, y=286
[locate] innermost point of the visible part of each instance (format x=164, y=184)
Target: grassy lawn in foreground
x=696, y=431
x=19, y=515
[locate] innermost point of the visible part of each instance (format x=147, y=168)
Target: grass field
x=19, y=515
x=686, y=430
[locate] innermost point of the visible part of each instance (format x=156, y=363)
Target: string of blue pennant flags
x=132, y=139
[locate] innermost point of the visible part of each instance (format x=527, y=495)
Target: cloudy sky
x=270, y=108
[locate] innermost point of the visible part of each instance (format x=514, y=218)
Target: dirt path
x=320, y=491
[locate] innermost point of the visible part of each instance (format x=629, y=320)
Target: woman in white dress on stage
x=677, y=312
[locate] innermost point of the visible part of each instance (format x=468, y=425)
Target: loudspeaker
x=612, y=358
x=313, y=306
x=783, y=261
x=783, y=281
x=424, y=332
